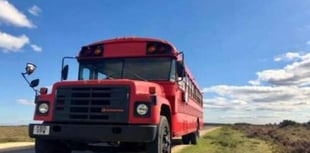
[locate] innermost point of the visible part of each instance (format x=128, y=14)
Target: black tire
x=50, y=146
x=193, y=138
x=185, y=139
x=198, y=133
x=198, y=129
x=162, y=142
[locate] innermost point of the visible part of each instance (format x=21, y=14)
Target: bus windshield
x=128, y=68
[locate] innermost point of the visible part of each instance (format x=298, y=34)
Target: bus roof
x=132, y=39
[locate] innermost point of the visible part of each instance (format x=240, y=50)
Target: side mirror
x=34, y=83
x=64, y=72
x=180, y=69
x=30, y=68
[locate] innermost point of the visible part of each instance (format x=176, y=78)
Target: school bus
x=129, y=91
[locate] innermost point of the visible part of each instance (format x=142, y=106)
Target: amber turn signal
x=152, y=90
x=43, y=91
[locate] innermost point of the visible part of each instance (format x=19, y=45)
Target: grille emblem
x=111, y=110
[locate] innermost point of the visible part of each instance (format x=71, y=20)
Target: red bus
x=128, y=92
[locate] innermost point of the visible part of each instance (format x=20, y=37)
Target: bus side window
x=182, y=84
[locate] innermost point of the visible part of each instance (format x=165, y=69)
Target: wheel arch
x=166, y=111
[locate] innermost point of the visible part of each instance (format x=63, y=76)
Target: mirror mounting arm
x=29, y=83
x=23, y=74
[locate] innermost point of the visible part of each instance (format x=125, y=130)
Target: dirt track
x=178, y=146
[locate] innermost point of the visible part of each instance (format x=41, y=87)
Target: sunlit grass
x=227, y=140
x=291, y=138
x=14, y=134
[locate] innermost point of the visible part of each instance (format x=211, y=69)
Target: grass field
x=290, y=138
x=14, y=134
x=228, y=140
x=287, y=137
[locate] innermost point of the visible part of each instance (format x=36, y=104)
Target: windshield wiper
x=136, y=75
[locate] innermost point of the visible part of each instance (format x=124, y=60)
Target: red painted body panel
x=139, y=91
x=130, y=49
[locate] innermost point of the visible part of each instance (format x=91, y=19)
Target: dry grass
x=14, y=134
x=287, y=137
x=227, y=140
x=290, y=138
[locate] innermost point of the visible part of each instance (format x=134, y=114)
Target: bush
x=242, y=123
x=286, y=123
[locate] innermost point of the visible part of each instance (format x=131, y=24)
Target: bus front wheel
x=162, y=142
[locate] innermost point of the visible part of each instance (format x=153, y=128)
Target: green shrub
x=286, y=123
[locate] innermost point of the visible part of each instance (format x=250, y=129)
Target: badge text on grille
x=113, y=110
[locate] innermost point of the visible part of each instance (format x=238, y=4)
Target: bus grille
x=92, y=104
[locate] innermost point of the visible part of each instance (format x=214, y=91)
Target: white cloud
x=289, y=56
x=254, y=82
x=238, y=117
x=294, y=74
x=49, y=88
x=12, y=43
x=258, y=98
x=308, y=42
x=224, y=103
x=274, y=91
x=34, y=10
x=25, y=102
x=11, y=15
x=36, y=48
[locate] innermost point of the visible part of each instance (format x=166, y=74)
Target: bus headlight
x=43, y=108
x=142, y=109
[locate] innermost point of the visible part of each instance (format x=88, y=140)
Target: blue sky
x=250, y=58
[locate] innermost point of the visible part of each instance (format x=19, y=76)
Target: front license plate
x=41, y=130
